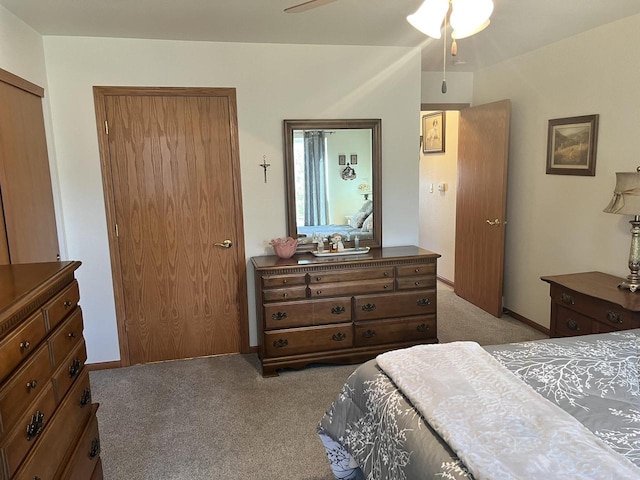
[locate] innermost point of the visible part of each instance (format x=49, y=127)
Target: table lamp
x=626, y=201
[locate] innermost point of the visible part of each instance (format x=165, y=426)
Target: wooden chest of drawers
x=591, y=302
x=343, y=309
x=48, y=426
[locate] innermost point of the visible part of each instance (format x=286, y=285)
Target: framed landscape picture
x=571, y=145
x=433, y=132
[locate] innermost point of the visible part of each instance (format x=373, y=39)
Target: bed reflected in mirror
x=333, y=181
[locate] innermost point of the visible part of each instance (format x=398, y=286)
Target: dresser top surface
x=18, y=280
x=375, y=254
x=598, y=285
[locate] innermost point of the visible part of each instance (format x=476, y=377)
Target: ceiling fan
x=308, y=5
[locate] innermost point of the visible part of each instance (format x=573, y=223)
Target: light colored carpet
x=217, y=418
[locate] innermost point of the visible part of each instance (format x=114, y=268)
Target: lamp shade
x=626, y=195
x=429, y=17
x=469, y=17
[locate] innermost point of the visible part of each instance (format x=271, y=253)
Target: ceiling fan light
x=429, y=17
x=462, y=34
x=469, y=17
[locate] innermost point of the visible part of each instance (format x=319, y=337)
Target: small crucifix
x=264, y=165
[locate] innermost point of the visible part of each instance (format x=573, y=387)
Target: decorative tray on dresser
x=343, y=309
x=591, y=302
x=48, y=426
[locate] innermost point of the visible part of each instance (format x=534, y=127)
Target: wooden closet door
x=172, y=164
x=25, y=182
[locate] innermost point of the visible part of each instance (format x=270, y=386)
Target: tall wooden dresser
x=343, y=309
x=48, y=426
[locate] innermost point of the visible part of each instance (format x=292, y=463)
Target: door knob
x=225, y=244
x=495, y=222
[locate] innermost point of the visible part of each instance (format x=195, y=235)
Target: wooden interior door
x=30, y=225
x=173, y=175
x=481, y=203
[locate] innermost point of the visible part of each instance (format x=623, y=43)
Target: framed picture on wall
x=433, y=130
x=342, y=159
x=354, y=159
x=571, y=145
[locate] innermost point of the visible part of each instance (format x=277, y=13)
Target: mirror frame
x=373, y=124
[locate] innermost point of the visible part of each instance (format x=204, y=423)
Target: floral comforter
x=371, y=431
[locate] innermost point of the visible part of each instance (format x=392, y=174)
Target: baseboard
x=103, y=365
x=253, y=349
x=445, y=281
x=526, y=321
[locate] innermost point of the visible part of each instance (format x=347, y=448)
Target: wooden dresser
x=48, y=426
x=591, y=302
x=343, y=309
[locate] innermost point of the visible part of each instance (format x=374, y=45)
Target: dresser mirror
x=333, y=181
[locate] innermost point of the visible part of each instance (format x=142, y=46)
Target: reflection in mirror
x=333, y=181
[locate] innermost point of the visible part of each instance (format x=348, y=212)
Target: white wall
x=273, y=83
x=556, y=224
x=438, y=208
x=459, y=87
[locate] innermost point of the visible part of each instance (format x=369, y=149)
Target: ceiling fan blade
x=303, y=7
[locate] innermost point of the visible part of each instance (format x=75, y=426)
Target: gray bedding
x=371, y=431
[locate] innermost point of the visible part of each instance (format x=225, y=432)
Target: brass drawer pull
x=32, y=385
x=285, y=295
x=417, y=284
x=385, y=274
x=35, y=426
x=417, y=270
x=614, y=317
x=318, y=292
x=279, y=316
x=284, y=282
x=369, y=334
x=280, y=343
x=85, y=397
x=72, y=335
x=95, y=448
x=567, y=299
x=25, y=345
x=423, y=302
x=74, y=368
x=67, y=303
x=338, y=337
x=573, y=325
x=369, y=307
x=423, y=327
x=337, y=310
x=318, y=279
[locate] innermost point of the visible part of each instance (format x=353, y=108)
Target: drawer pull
x=423, y=327
x=35, y=426
x=318, y=292
x=25, y=345
x=614, y=317
x=417, y=284
x=369, y=307
x=423, y=302
x=279, y=316
x=284, y=282
x=85, y=397
x=337, y=310
x=74, y=368
x=32, y=385
x=573, y=325
x=72, y=335
x=385, y=274
x=318, y=279
x=285, y=295
x=417, y=270
x=280, y=343
x=567, y=299
x=95, y=448
x=67, y=303
x=386, y=287
x=338, y=337
x=369, y=334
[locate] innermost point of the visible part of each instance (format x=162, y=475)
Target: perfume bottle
x=356, y=243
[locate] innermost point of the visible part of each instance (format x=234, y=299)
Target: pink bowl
x=284, y=248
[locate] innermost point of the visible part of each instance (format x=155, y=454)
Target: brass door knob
x=225, y=244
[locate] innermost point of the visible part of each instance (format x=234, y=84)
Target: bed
x=360, y=224
x=581, y=392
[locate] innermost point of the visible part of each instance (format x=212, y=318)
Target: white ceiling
x=517, y=26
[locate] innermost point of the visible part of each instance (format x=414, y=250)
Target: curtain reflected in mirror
x=333, y=170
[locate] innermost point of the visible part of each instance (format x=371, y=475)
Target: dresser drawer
x=59, y=307
x=416, y=270
x=84, y=460
x=28, y=428
x=350, y=288
x=395, y=330
x=293, y=341
x=333, y=276
x=18, y=345
x=306, y=313
x=45, y=458
x=275, y=281
x=414, y=283
x=281, y=294
x=25, y=385
x=70, y=368
x=403, y=304
x=570, y=323
x=66, y=337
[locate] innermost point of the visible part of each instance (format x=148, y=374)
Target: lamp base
x=629, y=285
